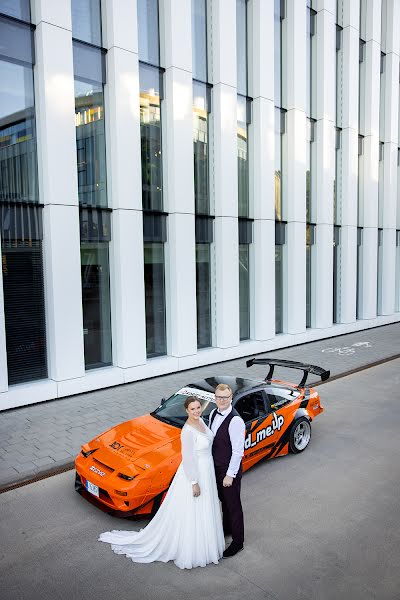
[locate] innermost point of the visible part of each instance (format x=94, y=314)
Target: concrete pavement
x=320, y=525
x=44, y=438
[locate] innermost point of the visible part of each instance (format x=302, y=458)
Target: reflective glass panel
x=308, y=275
x=24, y=311
x=90, y=144
x=199, y=39
x=19, y=9
x=149, y=47
x=154, y=283
x=241, y=46
x=203, y=295
x=151, y=141
x=278, y=289
x=96, y=306
x=242, y=154
x=200, y=149
x=244, y=291
x=277, y=53
x=86, y=21
x=278, y=165
x=18, y=161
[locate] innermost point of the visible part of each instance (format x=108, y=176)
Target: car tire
x=300, y=435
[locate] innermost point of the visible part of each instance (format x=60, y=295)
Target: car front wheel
x=300, y=435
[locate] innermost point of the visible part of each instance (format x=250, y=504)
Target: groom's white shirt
x=236, y=433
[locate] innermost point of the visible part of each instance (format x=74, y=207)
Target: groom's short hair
x=222, y=387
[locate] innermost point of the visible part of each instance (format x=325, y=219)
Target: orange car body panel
x=149, y=451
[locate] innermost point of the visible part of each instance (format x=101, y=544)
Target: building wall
x=337, y=183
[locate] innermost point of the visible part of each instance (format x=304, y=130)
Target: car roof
x=238, y=384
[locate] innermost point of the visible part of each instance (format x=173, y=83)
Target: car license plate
x=93, y=489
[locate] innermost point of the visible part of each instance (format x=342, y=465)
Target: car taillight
x=126, y=477
x=88, y=453
x=121, y=493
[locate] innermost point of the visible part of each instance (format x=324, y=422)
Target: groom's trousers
x=232, y=512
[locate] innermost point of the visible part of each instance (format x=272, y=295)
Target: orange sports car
x=127, y=470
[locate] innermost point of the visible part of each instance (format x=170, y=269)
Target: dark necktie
x=219, y=413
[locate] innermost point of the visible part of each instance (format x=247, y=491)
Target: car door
x=262, y=426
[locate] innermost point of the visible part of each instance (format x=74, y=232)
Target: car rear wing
x=290, y=364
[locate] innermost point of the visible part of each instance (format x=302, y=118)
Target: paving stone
x=26, y=468
x=44, y=462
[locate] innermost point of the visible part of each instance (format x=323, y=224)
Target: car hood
x=143, y=441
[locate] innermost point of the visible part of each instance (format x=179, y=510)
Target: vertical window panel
x=199, y=40
x=241, y=46
x=203, y=295
x=278, y=52
x=242, y=154
x=95, y=273
x=244, y=291
x=200, y=148
x=19, y=9
x=86, y=21
x=154, y=284
x=149, y=46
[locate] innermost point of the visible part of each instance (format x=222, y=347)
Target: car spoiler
x=290, y=364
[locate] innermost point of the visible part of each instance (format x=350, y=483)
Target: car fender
x=302, y=412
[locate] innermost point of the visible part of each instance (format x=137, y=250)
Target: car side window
x=251, y=406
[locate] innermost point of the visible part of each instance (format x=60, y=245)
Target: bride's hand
x=196, y=490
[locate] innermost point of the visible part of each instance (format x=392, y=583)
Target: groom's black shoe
x=232, y=550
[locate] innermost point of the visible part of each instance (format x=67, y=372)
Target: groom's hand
x=227, y=482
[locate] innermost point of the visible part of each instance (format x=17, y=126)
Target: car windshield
x=173, y=411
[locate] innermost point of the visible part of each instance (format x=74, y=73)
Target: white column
x=3, y=351
x=324, y=166
x=55, y=106
x=389, y=131
x=124, y=188
x=262, y=142
x=368, y=217
x=294, y=164
x=348, y=273
x=224, y=181
x=176, y=53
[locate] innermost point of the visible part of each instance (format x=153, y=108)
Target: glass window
x=397, y=283
x=310, y=234
x=242, y=153
x=151, y=142
x=24, y=312
x=279, y=131
x=203, y=295
x=241, y=46
x=379, y=273
x=155, y=299
x=310, y=62
x=149, y=47
x=278, y=289
x=200, y=148
x=278, y=52
x=19, y=9
x=336, y=275
x=338, y=176
x=199, y=39
x=86, y=21
x=244, y=291
x=90, y=143
x=18, y=161
x=359, y=274
x=96, y=304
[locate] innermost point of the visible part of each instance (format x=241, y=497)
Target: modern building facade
x=184, y=182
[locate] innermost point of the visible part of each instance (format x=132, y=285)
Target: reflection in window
x=199, y=39
x=242, y=151
x=19, y=9
x=149, y=48
x=200, y=148
x=18, y=162
x=311, y=62
x=359, y=273
x=90, y=143
x=278, y=289
x=241, y=46
x=397, y=283
x=278, y=52
x=310, y=240
x=279, y=132
x=336, y=275
x=95, y=274
x=156, y=343
x=203, y=295
x=244, y=292
x=150, y=133
x=86, y=21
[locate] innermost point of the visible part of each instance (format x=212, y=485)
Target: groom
x=228, y=447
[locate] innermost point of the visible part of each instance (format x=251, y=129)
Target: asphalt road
x=322, y=525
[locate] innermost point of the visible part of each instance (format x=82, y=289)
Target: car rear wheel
x=300, y=435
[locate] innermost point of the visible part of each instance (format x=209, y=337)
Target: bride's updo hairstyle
x=189, y=400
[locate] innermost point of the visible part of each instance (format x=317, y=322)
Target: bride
x=187, y=527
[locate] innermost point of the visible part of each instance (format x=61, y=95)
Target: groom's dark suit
x=229, y=496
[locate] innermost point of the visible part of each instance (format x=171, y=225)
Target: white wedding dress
x=185, y=529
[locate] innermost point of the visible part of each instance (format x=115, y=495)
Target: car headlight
x=88, y=453
x=126, y=477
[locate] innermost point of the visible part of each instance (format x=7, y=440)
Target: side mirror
x=162, y=401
